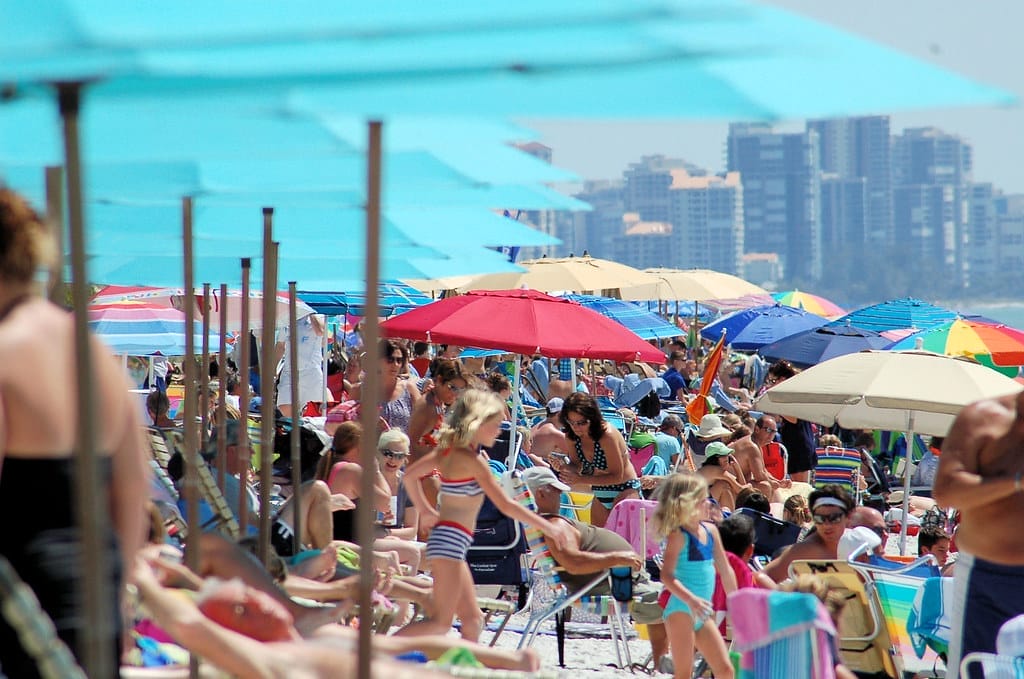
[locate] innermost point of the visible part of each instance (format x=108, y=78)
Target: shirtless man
x=980, y=475
x=547, y=435
x=830, y=507
x=747, y=451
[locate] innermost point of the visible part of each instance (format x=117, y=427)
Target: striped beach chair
x=992, y=666
x=561, y=599
x=840, y=466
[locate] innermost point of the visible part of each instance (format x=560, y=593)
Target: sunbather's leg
x=409, y=553
x=447, y=574
x=470, y=615
x=711, y=645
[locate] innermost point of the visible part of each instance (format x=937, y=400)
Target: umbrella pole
x=906, y=485
x=510, y=462
x=191, y=453
x=55, y=219
x=204, y=376
x=370, y=397
x=222, y=398
x=95, y=561
x=243, y=401
x=293, y=367
x=268, y=369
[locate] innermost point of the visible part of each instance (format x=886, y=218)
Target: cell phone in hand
x=559, y=457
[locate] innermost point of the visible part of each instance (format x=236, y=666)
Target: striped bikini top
x=465, y=487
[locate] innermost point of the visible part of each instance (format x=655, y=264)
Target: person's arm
x=130, y=482
x=428, y=515
x=778, y=568
x=986, y=429
x=235, y=653
x=722, y=565
x=578, y=562
x=414, y=392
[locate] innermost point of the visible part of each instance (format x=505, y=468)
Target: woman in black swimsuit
x=40, y=535
x=598, y=456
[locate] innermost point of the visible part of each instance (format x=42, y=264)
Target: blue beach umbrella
x=642, y=322
x=811, y=347
x=394, y=298
x=895, y=314
x=751, y=329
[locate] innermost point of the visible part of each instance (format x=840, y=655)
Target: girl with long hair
x=474, y=421
x=693, y=553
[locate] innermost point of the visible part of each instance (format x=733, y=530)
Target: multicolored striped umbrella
x=135, y=328
x=990, y=343
x=808, y=302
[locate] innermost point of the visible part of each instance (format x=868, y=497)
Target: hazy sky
x=979, y=39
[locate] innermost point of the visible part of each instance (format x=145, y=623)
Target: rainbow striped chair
x=561, y=599
x=840, y=466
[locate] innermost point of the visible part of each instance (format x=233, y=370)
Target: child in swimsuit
x=693, y=552
x=473, y=421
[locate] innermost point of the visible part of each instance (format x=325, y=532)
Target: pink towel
x=624, y=520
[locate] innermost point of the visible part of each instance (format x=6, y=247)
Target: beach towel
x=781, y=634
x=624, y=520
x=928, y=623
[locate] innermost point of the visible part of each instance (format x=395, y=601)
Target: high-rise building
x=545, y=221
x=706, y=213
x=844, y=207
x=781, y=196
x=596, y=229
x=642, y=244
x=854, y=148
x=931, y=187
x=648, y=183
x=995, y=239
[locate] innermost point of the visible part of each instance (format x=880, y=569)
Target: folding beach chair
x=781, y=634
x=992, y=666
x=770, y=534
x=865, y=644
x=547, y=572
x=840, y=466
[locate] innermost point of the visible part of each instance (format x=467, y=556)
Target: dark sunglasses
x=393, y=455
x=397, y=360
x=768, y=429
x=829, y=518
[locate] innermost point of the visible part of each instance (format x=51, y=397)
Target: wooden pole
x=222, y=401
x=293, y=368
x=268, y=366
x=243, y=402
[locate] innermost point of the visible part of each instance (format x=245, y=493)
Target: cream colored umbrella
x=691, y=285
x=909, y=391
x=435, y=286
x=566, y=274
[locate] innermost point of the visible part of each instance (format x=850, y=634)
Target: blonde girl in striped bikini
x=473, y=421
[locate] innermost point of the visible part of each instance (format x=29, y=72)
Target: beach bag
x=642, y=448
x=346, y=411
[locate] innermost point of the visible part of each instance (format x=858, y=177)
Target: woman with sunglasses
x=392, y=454
x=597, y=457
x=399, y=392
x=830, y=510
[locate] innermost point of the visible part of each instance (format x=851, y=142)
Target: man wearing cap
x=723, y=474
x=591, y=550
x=830, y=508
x=547, y=435
x=980, y=475
x=669, y=438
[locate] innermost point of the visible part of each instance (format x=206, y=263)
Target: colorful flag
x=698, y=407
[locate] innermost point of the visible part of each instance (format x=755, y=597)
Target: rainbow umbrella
x=993, y=344
x=808, y=302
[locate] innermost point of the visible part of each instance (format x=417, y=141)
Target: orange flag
x=698, y=407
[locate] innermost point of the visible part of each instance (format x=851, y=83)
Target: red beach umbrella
x=523, y=322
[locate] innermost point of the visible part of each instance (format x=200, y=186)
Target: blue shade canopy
x=641, y=321
x=751, y=329
x=811, y=347
x=895, y=314
x=395, y=297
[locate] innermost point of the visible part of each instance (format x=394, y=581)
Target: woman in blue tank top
x=693, y=552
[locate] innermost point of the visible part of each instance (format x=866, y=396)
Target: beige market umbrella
x=565, y=274
x=435, y=286
x=909, y=391
x=691, y=285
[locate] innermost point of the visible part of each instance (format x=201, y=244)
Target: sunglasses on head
x=394, y=454
x=832, y=517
